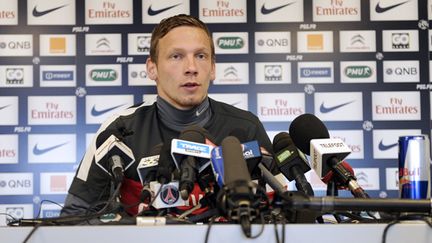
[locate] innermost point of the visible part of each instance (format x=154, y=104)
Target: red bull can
x=414, y=167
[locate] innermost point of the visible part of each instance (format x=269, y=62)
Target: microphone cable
x=36, y=223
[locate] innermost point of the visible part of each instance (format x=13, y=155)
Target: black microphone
x=147, y=169
x=258, y=160
x=112, y=155
x=239, y=194
x=189, y=164
x=291, y=162
x=311, y=136
x=344, y=179
x=166, y=166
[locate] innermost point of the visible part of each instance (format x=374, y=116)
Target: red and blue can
x=414, y=167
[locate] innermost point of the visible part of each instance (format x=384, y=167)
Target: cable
x=211, y=222
x=10, y=216
x=45, y=200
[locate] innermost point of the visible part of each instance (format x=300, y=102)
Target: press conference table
x=406, y=232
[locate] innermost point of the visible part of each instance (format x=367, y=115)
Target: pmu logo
x=16, y=45
x=103, y=75
x=143, y=44
x=169, y=194
x=230, y=42
x=273, y=72
x=315, y=72
x=400, y=40
x=14, y=75
x=358, y=72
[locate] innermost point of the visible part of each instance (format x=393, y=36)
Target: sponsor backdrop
x=67, y=65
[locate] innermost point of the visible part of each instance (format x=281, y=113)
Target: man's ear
x=213, y=71
x=151, y=69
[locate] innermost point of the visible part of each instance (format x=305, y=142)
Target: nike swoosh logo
x=37, y=13
x=152, y=12
x=95, y=112
x=324, y=109
x=3, y=107
x=38, y=151
x=265, y=10
x=383, y=147
x=380, y=9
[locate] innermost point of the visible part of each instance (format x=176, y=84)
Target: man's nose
x=191, y=65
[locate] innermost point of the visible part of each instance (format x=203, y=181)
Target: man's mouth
x=190, y=85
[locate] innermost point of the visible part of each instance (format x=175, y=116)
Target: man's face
x=184, y=67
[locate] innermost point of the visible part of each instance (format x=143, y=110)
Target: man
x=182, y=62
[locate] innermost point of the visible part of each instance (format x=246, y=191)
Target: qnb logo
x=143, y=43
x=273, y=72
x=230, y=71
x=273, y=42
x=103, y=75
x=400, y=40
x=14, y=75
x=230, y=42
x=23, y=183
x=402, y=71
x=16, y=45
x=315, y=72
x=358, y=71
x=169, y=194
x=103, y=43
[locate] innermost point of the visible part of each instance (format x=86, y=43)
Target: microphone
x=311, y=137
x=291, y=162
x=344, y=179
x=239, y=196
x=166, y=165
x=190, y=153
x=112, y=155
x=147, y=169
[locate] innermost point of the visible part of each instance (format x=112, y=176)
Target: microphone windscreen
x=196, y=134
x=281, y=141
x=235, y=168
x=166, y=164
x=306, y=127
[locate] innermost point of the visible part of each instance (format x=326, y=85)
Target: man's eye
x=176, y=56
x=201, y=56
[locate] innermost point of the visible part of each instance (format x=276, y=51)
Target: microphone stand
x=332, y=191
